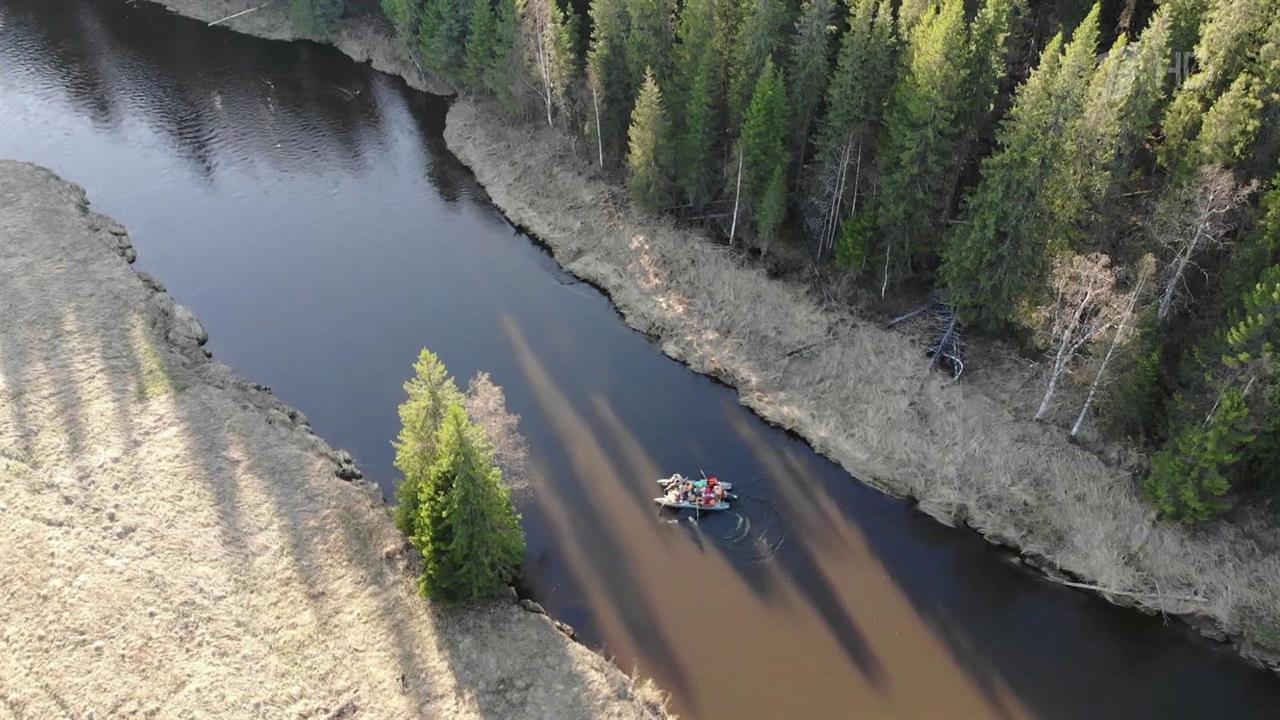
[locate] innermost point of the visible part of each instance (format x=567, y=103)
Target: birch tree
x=1083, y=309
x=1121, y=335
x=546, y=37
x=1192, y=218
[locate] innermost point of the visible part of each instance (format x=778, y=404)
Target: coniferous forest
x=1099, y=184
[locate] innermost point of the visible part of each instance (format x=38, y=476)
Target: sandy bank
x=175, y=542
x=859, y=394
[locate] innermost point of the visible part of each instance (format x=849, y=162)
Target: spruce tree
x=763, y=137
x=467, y=530
x=481, y=50
x=1188, y=478
x=647, y=169
x=758, y=41
x=1235, y=65
x=997, y=258
x=442, y=35
x=1102, y=142
x=503, y=74
x=921, y=135
x=986, y=50
x=773, y=207
x=695, y=34
x=649, y=35
x=403, y=15
x=696, y=142
x=846, y=139
x=609, y=76
x=430, y=394
x=808, y=70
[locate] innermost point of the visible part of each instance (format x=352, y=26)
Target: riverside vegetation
x=1131, y=252
x=1100, y=189
x=452, y=503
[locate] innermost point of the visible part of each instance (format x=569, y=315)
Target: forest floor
x=174, y=541
x=862, y=395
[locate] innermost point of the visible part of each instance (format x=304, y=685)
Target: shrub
x=316, y=17
x=1188, y=477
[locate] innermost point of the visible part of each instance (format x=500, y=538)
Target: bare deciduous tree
x=486, y=405
x=1123, y=330
x=1084, y=309
x=1190, y=219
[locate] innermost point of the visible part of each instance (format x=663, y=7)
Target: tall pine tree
x=847, y=134
x=921, y=135
x=808, y=70
x=430, y=394
x=647, y=151
x=609, y=77
x=763, y=140
x=998, y=256
x=467, y=530
x=758, y=41
x=696, y=124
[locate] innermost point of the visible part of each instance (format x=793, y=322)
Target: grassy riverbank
x=174, y=541
x=861, y=395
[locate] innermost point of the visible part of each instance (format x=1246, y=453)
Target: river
x=308, y=210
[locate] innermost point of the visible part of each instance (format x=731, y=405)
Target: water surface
x=308, y=210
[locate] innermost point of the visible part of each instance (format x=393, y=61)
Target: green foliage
x=430, y=394
x=403, y=14
x=467, y=528
x=609, y=75
x=482, y=52
x=997, y=259
x=757, y=43
x=649, y=34
x=808, y=69
x=1135, y=399
x=549, y=65
x=921, y=131
x=315, y=17
x=442, y=35
x=1187, y=478
x=647, y=168
x=696, y=140
x=855, y=100
x=693, y=55
x=763, y=133
x=1216, y=116
x=863, y=75
x=773, y=207
x=855, y=238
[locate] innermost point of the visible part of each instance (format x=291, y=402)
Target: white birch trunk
x=1106, y=359
x=733, y=226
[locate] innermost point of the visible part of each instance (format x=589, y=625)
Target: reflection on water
x=309, y=212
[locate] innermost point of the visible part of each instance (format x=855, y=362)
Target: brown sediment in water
x=174, y=541
x=857, y=393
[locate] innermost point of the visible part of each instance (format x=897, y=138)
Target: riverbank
x=175, y=541
x=861, y=395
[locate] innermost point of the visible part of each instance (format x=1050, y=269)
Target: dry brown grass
x=863, y=396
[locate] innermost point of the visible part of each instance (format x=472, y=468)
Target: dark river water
x=308, y=210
